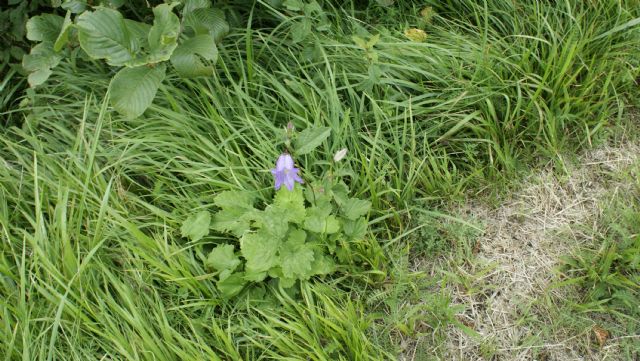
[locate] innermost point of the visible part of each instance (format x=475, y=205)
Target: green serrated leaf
x=207, y=21
x=354, y=208
x=233, y=220
x=234, y=199
x=196, y=226
x=133, y=89
x=44, y=27
x=230, y=284
x=291, y=201
x=322, y=265
x=163, y=35
x=319, y=221
x=186, y=58
x=310, y=138
x=103, y=34
x=260, y=250
x=356, y=229
x=296, y=260
x=222, y=258
x=274, y=221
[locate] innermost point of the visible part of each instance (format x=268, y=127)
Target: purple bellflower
x=285, y=173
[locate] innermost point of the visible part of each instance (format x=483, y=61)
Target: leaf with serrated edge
x=234, y=199
x=196, y=226
x=222, y=258
x=230, y=284
x=260, y=250
x=209, y=21
x=291, y=201
x=233, y=220
x=354, y=208
x=133, y=89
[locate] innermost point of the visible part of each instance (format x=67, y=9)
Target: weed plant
x=92, y=263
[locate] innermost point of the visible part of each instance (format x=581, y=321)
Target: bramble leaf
x=207, y=21
x=163, y=35
x=186, y=59
x=104, y=34
x=133, y=89
x=222, y=258
x=354, y=208
x=310, y=138
x=196, y=226
x=292, y=202
x=39, y=63
x=45, y=27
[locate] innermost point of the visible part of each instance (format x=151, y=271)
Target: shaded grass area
x=92, y=264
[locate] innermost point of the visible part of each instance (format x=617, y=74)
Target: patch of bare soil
x=521, y=246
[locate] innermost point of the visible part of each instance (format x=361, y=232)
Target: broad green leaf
x=39, y=63
x=310, y=138
x=234, y=199
x=318, y=221
x=196, y=226
x=163, y=35
x=114, y=4
x=232, y=220
x=354, y=208
x=104, y=34
x=209, y=21
x=63, y=37
x=355, y=229
x=44, y=27
x=133, y=89
x=296, y=260
x=186, y=57
x=292, y=202
x=274, y=221
x=230, y=284
x=260, y=250
x=190, y=5
x=293, y=5
x=322, y=265
x=39, y=77
x=75, y=6
x=301, y=29
x=340, y=193
x=222, y=258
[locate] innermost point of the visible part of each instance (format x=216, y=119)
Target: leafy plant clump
x=140, y=50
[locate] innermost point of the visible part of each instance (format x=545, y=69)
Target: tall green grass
x=91, y=261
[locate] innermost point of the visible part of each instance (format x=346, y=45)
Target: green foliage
x=289, y=240
x=142, y=49
x=196, y=226
x=609, y=274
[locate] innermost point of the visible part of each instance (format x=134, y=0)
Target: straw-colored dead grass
x=522, y=243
